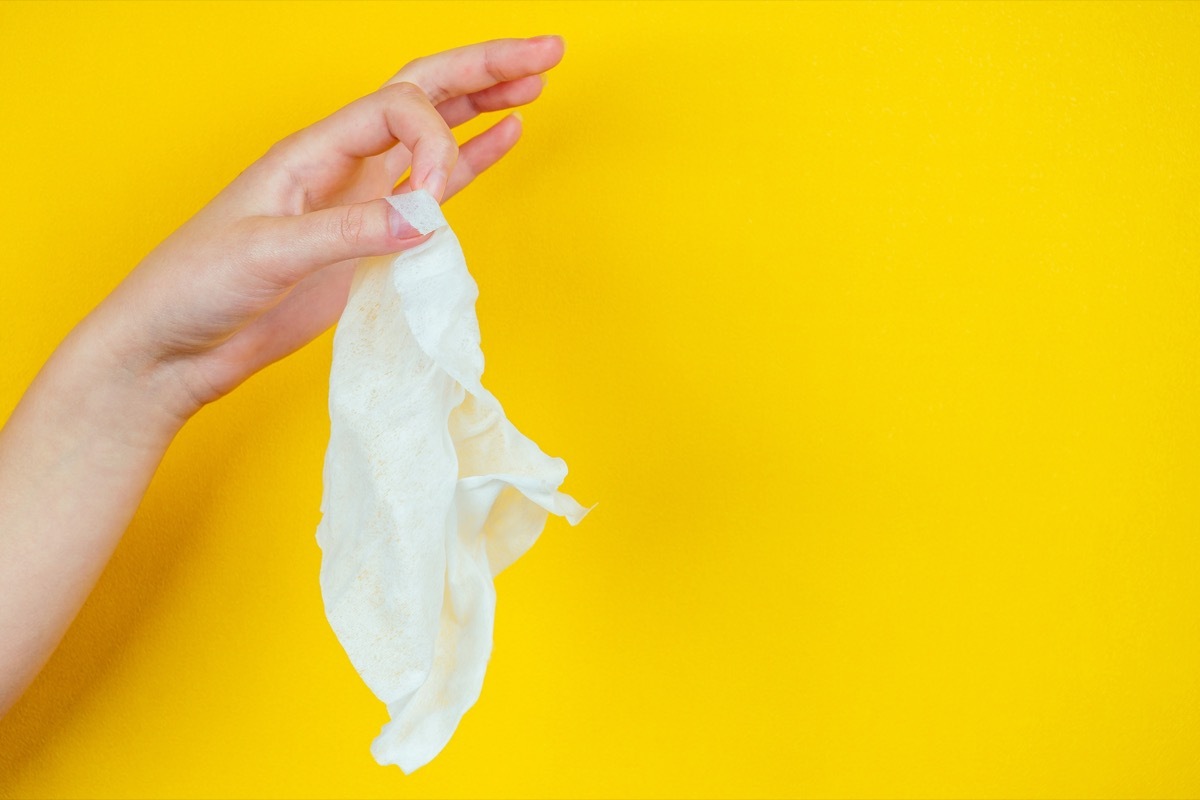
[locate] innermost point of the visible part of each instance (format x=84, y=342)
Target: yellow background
x=873, y=329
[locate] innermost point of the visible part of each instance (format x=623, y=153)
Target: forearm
x=76, y=457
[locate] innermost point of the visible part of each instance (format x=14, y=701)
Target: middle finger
x=469, y=69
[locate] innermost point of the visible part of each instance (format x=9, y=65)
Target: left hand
x=265, y=267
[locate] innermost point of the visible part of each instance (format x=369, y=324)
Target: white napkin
x=429, y=490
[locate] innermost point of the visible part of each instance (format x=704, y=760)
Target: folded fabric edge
x=406, y=753
x=541, y=492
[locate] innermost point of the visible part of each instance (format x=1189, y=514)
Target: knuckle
x=447, y=143
x=257, y=250
x=491, y=61
x=279, y=164
x=405, y=90
x=351, y=226
x=277, y=152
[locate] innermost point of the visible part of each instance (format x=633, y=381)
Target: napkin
x=429, y=489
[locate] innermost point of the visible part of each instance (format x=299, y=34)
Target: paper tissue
x=429, y=490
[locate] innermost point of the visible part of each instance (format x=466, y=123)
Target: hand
x=266, y=266
x=262, y=269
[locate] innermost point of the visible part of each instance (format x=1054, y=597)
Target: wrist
x=113, y=392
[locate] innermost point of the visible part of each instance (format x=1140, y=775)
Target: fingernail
x=545, y=80
x=399, y=226
x=547, y=37
x=520, y=117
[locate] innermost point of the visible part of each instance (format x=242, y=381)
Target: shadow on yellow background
x=872, y=328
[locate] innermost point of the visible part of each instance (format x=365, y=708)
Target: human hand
x=262, y=269
x=265, y=267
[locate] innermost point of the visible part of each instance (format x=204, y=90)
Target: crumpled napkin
x=429, y=493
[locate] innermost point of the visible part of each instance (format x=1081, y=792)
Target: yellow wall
x=873, y=329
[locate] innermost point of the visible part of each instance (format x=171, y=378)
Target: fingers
x=469, y=69
x=483, y=151
x=458, y=110
x=416, y=109
x=395, y=113
x=509, y=94
x=479, y=153
x=408, y=110
x=285, y=250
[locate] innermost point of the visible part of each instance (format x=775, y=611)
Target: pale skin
x=257, y=273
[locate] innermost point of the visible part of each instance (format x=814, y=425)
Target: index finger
x=474, y=67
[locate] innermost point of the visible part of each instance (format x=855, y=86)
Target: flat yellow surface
x=873, y=329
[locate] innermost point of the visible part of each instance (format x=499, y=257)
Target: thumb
x=297, y=246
